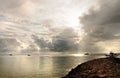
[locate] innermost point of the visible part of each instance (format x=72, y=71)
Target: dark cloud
x=40, y=42
x=64, y=41
x=101, y=25
x=8, y=45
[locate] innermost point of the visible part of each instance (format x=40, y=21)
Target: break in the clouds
x=55, y=23
x=32, y=15
x=102, y=27
x=60, y=12
x=47, y=19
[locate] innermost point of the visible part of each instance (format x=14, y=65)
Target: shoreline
x=97, y=68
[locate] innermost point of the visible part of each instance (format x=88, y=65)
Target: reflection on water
x=47, y=66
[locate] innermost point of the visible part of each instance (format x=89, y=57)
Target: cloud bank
x=64, y=41
x=9, y=45
x=101, y=25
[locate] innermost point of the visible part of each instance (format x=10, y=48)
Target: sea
x=40, y=65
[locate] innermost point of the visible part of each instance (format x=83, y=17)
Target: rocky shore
x=97, y=68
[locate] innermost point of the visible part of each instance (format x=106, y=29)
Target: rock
x=97, y=68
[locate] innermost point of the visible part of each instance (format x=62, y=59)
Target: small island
x=108, y=67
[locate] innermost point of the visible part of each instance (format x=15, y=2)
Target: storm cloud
x=101, y=25
x=8, y=45
x=64, y=41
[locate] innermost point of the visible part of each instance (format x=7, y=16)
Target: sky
x=59, y=25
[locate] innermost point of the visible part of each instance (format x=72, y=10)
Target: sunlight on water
x=43, y=65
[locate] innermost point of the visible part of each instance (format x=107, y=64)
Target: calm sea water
x=45, y=65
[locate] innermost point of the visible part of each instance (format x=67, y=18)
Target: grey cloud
x=4, y=18
x=64, y=41
x=10, y=6
x=20, y=27
x=8, y=45
x=40, y=42
x=102, y=24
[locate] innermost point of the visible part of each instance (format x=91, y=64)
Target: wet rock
x=97, y=68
